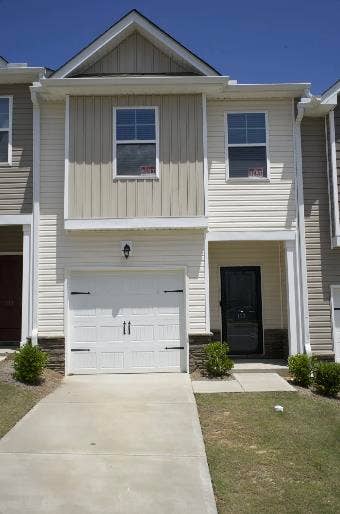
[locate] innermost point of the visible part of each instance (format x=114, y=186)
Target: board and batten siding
x=248, y=204
x=179, y=190
x=323, y=263
x=269, y=255
x=59, y=249
x=136, y=54
x=16, y=180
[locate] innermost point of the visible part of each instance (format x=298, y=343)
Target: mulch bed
x=50, y=379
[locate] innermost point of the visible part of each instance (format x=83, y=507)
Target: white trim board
x=9, y=129
x=244, y=235
x=115, y=143
x=136, y=223
x=245, y=145
x=133, y=21
x=16, y=219
x=336, y=344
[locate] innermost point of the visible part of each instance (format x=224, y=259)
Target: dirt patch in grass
x=267, y=462
x=16, y=399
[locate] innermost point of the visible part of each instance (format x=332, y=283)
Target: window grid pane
x=246, y=128
x=247, y=161
x=136, y=159
x=135, y=124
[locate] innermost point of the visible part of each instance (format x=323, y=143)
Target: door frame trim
x=251, y=266
x=107, y=269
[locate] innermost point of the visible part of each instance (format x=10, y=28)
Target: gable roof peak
x=133, y=20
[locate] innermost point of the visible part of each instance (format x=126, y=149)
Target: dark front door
x=10, y=297
x=242, y=309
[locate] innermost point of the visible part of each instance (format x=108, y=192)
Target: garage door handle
x=79, y=292
x=174, y=347
x=173, y=291
x=80, y=349
x=129, y=327
x=124, y=328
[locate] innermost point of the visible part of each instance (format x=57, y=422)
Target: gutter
x=36, y=216
x=301, y=239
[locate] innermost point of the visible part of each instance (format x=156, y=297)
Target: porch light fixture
x=126, y=251
x=126, y=248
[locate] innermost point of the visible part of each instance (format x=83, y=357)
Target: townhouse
x=168, y=208
x=16, y=200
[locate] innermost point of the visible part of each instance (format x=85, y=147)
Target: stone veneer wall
x=55, y=348
x=275, y=346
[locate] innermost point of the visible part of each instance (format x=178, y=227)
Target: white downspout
x=36, y=216
x=301, y=240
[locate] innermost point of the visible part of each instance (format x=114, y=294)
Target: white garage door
x=126, y=322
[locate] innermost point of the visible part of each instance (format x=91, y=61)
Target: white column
x=206, y=282
x=26, y=283
x=292, y=297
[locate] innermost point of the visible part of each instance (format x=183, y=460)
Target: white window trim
x=9, y=130
x=226, y=153
x=156, y=141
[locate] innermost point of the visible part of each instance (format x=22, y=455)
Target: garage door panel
x=169, y=359
x=84, y=333
x=111, y=360
x=110, y=333
x=84, y=362
x=153, y=320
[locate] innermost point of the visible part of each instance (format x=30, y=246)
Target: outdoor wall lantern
x=126, y=247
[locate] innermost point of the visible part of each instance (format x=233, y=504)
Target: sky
x=252, y=41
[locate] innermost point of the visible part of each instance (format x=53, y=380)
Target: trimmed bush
x=301, y=367
x=217, y=362
x=327, y=378
x=29, y=364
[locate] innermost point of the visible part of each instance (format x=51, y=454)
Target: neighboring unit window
x=247, y=145
x=136, y=142
x=5, y=129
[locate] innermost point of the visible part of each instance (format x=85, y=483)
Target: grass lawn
x=16, y=398
x=14, y=403
x=262, y=461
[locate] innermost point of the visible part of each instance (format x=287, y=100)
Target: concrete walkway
x=108, y=444
x=243, y=383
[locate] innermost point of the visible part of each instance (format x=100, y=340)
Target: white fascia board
x=330, y=96
x=137, y=223
x=51, y=88
x=130, y=22
x=16, y=219
x=245, y=235
x=20, y=75
x=281, y=90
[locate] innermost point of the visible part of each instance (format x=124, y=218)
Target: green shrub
x=301, y=367
x=326, y=378
x=217, y=362
x=29, y=364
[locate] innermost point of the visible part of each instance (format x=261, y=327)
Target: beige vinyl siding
x=179, y=190
x=16, y=180
x=269, y=256
x=252, y=205
x=337, y=142
x=11, y=239
x=323, y=263
x=136, y=54
x=59, y=249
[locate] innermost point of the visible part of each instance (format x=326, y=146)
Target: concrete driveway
x=108, y=444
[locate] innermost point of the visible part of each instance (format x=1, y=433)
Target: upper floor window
x=246, y=139
x=5, y=130
x=136, y=142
